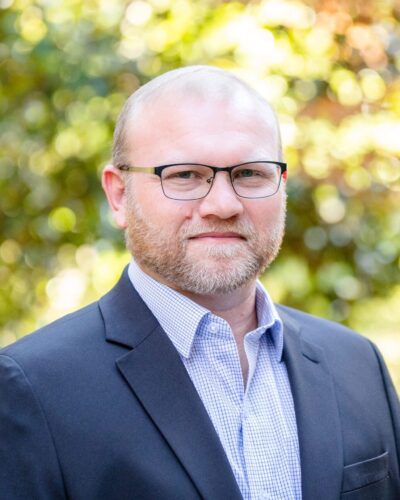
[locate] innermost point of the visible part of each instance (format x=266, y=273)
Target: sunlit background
x=330, y=68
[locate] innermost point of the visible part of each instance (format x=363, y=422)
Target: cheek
x=176, y=212
x=168, y=214
x=268, y=212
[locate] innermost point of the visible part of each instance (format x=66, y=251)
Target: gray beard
x=222, y=268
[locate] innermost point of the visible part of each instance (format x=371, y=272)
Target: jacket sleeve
x=29, y=466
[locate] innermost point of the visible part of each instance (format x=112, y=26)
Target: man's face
x=221, y=242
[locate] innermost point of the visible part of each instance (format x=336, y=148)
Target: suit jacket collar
x=157, y=377
x=153, y=370
x=317, y=415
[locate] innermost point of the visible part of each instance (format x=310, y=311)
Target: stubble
x=202, y=269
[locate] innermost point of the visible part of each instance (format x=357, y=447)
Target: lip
x=218, y=236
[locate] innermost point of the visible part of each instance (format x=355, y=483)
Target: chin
x=219, y=253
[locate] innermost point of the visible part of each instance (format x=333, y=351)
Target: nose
x=221, y=201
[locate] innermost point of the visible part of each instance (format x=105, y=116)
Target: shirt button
x=213, y=328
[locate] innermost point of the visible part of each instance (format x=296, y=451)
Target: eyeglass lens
x=250, y=180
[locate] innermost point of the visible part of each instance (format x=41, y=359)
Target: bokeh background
x=330, y=68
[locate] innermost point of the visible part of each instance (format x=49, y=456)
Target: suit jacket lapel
x=317, y=414
x=157, y=377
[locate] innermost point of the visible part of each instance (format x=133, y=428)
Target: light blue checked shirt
x=256, y=424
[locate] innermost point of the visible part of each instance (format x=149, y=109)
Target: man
x=185, y=381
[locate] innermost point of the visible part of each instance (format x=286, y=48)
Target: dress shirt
x=256, y=423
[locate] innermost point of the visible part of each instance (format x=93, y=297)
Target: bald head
x=190, y=86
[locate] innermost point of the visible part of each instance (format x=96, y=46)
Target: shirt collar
x=180, y=316
x=268, y=318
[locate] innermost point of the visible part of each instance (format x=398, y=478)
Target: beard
x=212, y=269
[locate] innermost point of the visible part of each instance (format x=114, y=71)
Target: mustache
x=242, y=228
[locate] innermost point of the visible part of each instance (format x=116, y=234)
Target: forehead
x=198, y=120
x=225, y=92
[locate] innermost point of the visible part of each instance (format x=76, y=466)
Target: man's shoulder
x=349, y=355
x=82, y=337
x=70, y=332
x=322, y=332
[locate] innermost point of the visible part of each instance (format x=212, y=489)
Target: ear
x=114, y=186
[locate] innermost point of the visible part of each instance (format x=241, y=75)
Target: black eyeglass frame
x=158, y=171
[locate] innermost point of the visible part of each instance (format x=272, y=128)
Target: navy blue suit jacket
x=98, y=405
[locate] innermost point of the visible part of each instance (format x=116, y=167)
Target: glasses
x=193, y=181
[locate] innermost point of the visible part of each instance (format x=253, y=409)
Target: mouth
x=218, y=236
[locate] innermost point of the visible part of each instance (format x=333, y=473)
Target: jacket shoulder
x=67, y=332
x=323, y=332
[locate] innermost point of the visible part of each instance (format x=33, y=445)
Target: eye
x=245, y=173
x=171, y=174
x=180, y=173
x=186, y=174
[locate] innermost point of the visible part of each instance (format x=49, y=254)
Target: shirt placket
x=249, y=416
x=223, y=349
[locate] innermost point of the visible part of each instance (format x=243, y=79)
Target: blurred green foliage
x=330, y=68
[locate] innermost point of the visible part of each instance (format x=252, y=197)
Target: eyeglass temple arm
x=144, y=170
